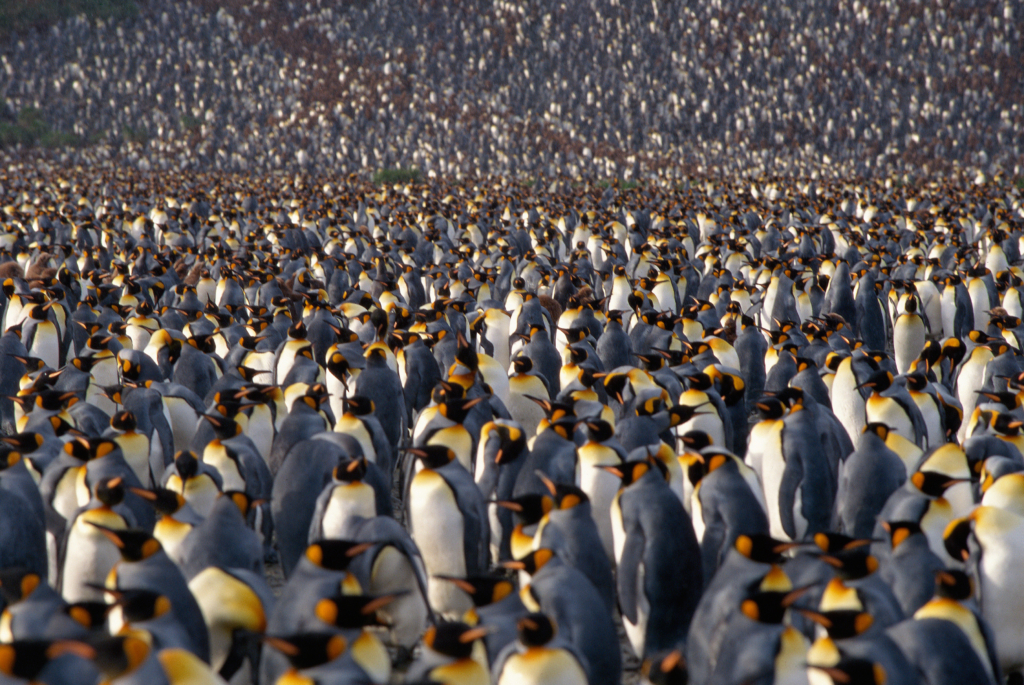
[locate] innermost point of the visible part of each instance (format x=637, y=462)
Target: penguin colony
x=773, y=428
x=544, y=88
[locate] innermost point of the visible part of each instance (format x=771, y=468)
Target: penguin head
x=682, y=413
x=933, y=483
x=17, y=583
x=841, y=623
x=900, y=531
x=849, y=557
x=87, y=449
x=186, y=463
x=242, y=501
x=91, y=615
x=138, y=605
x=529, y=509
x=309, y=649
x=654, y=405
x=879, y=429
x=770, y=408
x=792, y=398
x=762, y=548
x=433, y=456
x=110, y=491
x=22, y=443
x=350, y=470
x=165, y=502
x=134, y=544
x=458, y=410
x=453, y=638
x=483, y=590
x=879, y=381
x=335, y=555
x=632, y=471
x=957, y=537
x=854, y=671
x=566, y=496
x=24, y=659
x=770, y=597
x=123, y=654
x=123, y=421
x=352, y=611
x=358, y=405
x=223, y=427
x=954, y=584
x=506, y=439
x=536, y=629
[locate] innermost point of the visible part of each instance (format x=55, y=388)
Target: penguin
x=445, y=504
x=656, y=611
x=223, y=538
x=145, y=566
x=565, y=594
x=867, y=478
x=383, y=386
x=755, y=640
x=323, y=568
x=177, y=518
x=235, y=605
x=989, y=540
x=33, y=609
x=538, y=656
x=569, y=530
x=149, y=611
x=499, y=458
x=724, y=506
x=346, y=496
x=448, y=656
x=87, y=555
x=525, y=384
x=909, y=335
x=892, y=405
x=799, y=490
x=198, y=483
x=599, y=451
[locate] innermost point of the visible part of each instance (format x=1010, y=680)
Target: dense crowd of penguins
x=540, y=88
x=772, y=427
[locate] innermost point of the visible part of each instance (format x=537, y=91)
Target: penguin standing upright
x=599, y=451
x=499, y=459
x=87, y=554
x=659, y=572
x=909, y=336
x=525, y=384
x=445, y=504
x=991, y=541
x=570, y=531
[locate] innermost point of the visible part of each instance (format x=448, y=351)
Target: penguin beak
x=614, y=470
x=552, y=488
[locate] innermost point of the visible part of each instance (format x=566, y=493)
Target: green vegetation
x=622, y=185
x=18, y=16
x=1020, y=183
x=135, y=135
x=190, y=123
x=30, y=129
x=399, y=175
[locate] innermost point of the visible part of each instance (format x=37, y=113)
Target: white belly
x=347, y=501
x=89, y=558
